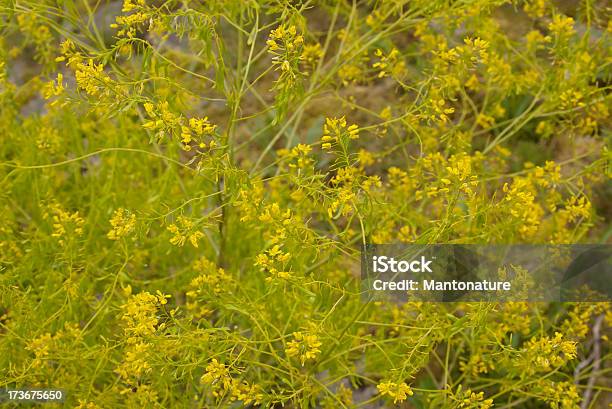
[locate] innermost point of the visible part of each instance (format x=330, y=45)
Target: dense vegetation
x=185, y=187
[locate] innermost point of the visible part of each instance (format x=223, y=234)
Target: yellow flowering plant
x=186, y=187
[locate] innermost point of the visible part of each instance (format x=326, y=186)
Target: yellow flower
x=123, y=223
x=128, y=5
x=312, y=53
x=246, y=393
x=365, y=158
x=273, y=261
x=571, y=99
x=41, y=347
x=399, y=392
x=54, y=88
x=389, y=64
x=218, y=373
x=66, y=225
x=335, y=130
x=194, y=131
x=475, y=49
x=304, y=346
x=298, y=156
x=183, y=230
x=561, y=25
x=286, y=46
x=140, y=314
x=91, y=78
x=545, y=353
x=535, y=8
x=575, y=208
x=83, y=404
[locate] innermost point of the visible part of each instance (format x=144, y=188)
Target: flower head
x=304, y=346
x=123, y=223
x=399, y=392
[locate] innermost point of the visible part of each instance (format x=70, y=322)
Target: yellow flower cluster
x=199, y=132
x=561, y=26
x=278, y=222
x=558, y=395
x=577, y=325
x=66, y=225
x=123, y=223
x=575, y=208
x=49, y=139
x=54, y=88
x=349, y=186
x=398, y=391
x=219, y=378
x=311, y=54
x=343, y=395
x=195, y=130
x=535, y=8
x=184, y=229
x=249, y=201
x=38, y=33
x=571, y=99
x=336, y=131
x=523, y=206
x=45, y=345
x=459, y=175
x=500, y=72
x=390, y=64
x=140, y=314
x=473, y=51
x=468, y=399
x=129, y=23
x=286, y=46
x=298, y=157
x=69, y=52
x=162, y=119
x=40, y=346
x=436, y=110
x=497, y=135
x=135, y=365
x=212, y=278
x=545, y=353
x=84, y=404
x=140, y=323
x=399, y=179
x=477, y=363
x=304, y=346
x=274, y=262
x=217, y=373
x=353, y=72
x=92, y=78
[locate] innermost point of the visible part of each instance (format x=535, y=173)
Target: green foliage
x=185, y=187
